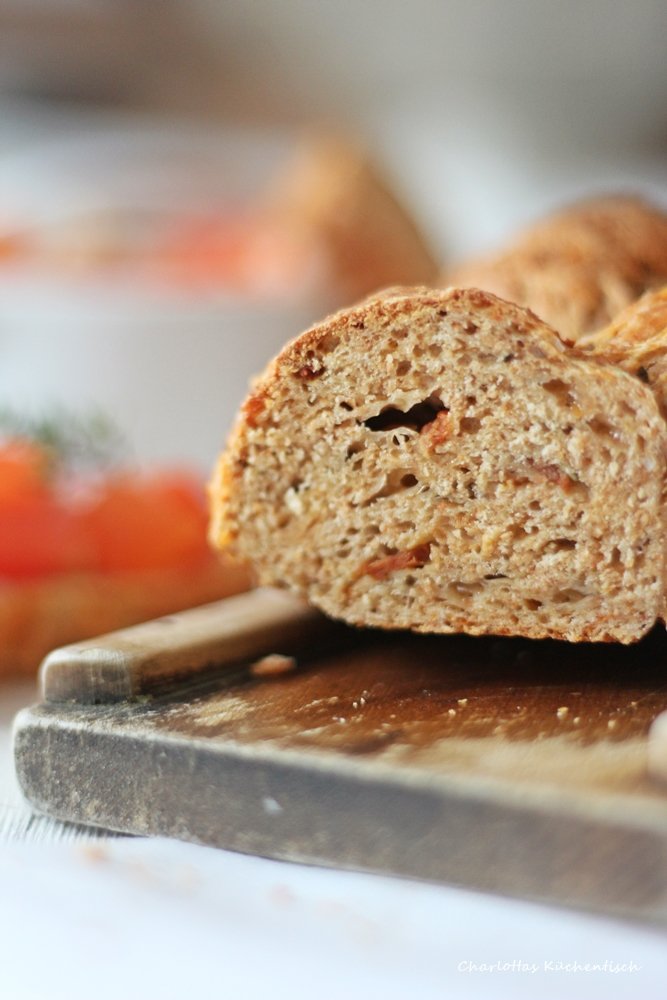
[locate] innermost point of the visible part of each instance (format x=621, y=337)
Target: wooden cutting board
x=506, y=765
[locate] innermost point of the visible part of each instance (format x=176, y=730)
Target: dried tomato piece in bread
x=440, y=461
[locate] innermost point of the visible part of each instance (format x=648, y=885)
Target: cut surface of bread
x=579, y=267
x=440, y=461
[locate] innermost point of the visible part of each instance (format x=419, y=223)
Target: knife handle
x=157, y=654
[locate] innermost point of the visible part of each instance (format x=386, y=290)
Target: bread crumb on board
x=273, y=665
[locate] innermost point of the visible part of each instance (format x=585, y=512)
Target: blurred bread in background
x=336, y=204
x=578, y=268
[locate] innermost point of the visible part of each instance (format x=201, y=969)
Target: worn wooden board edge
x=319, y=809
x=154, y=655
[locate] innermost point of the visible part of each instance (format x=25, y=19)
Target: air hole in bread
x=329, y=342
x=464, y=589
x=405, y=525
x=355, y=448
x=562, y=544
x=532, y=604
x=603, y=428
x=403, y=367
x=416, y=418
x=560, y=390
x=395, y=481
x=568, y=596
x=470, y=425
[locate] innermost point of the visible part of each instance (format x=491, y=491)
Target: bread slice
x=440, y=461
x=578, y=268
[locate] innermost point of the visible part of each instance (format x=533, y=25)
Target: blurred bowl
x=168, y=364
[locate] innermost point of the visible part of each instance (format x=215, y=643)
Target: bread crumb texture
x=440, y=461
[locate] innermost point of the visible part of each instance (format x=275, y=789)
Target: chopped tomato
x=128, y=522
x=24, y=469
x=147, y=523
x=39, y=536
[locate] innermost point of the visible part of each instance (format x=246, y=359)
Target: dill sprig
x=75, y=441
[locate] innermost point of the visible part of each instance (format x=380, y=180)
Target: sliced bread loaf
x=440, y=461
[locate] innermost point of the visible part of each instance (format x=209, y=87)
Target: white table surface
x=85, y=916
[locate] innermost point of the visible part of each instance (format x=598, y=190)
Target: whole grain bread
x=440, y=461
x=579, y=267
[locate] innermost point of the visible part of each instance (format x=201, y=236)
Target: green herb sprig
x=75, y=441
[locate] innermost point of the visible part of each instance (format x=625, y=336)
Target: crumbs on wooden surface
x=562, y=712
x=273, y=665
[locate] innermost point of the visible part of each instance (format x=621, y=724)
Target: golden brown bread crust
x=440, y=461
x=578, y=268
x=36, y=616
x=336, y=198
x=637, y=342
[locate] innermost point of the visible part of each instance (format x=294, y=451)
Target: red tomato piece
x=150, y=522
x=39, y=537
x=24, y=469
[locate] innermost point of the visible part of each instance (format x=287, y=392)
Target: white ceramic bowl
x=169, y=367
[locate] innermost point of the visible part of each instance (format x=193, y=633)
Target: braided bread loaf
x=440, y=461
x=579, y=267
